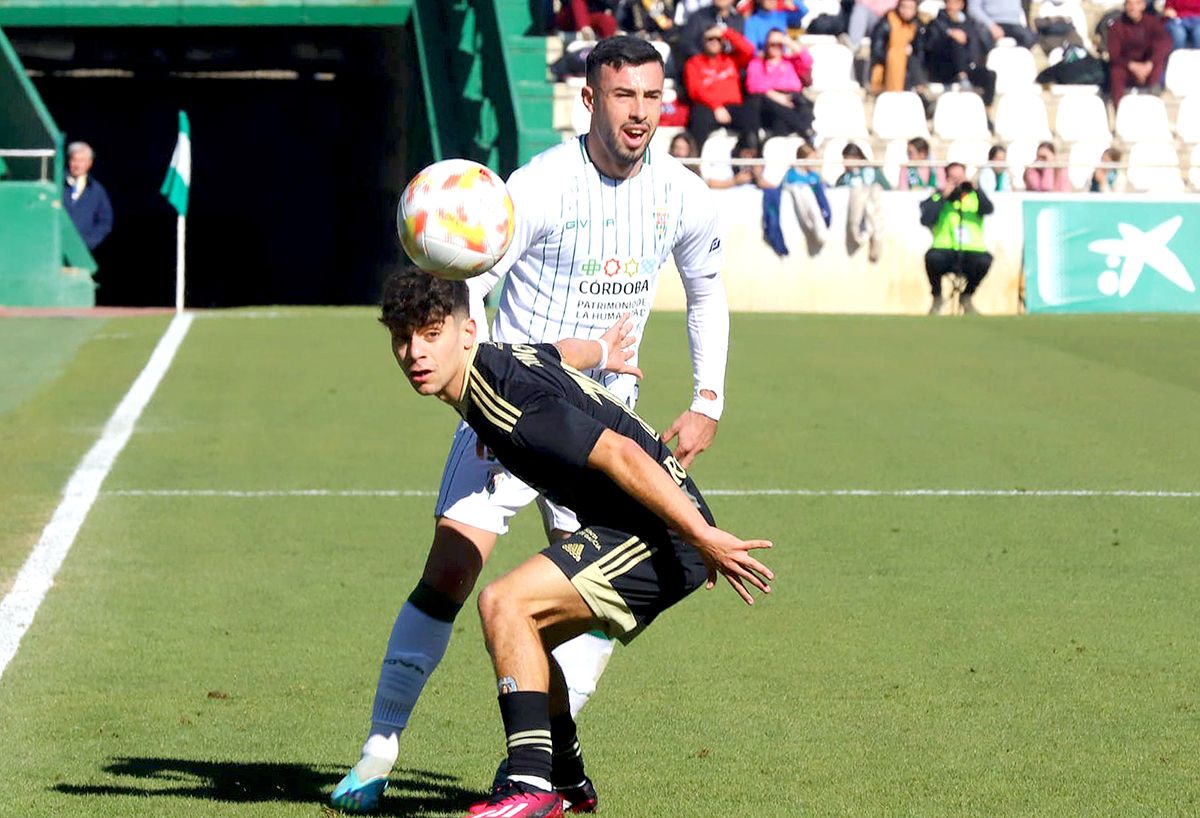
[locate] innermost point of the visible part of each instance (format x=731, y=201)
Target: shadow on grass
x=411, y=791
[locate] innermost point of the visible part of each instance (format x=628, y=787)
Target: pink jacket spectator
x=790, y=74
x=1047, y=180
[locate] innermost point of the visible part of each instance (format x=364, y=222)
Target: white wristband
x=603, y=352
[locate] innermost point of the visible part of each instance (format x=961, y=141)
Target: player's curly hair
x=413, y=299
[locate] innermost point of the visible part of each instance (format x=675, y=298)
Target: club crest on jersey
x=661, y=216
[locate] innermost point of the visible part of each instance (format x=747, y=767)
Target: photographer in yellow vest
x=955, y=215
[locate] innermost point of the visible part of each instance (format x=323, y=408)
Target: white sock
x=415, y=648
x=582, y=660
x=533, y=781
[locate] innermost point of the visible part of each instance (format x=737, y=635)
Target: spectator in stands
x=920, y=174
x=896, y=50
x=720, y=13
x=655, y=18
x=684, y=147
x=85, y=199
x=864, y=206
x=1001, y=18
x=864, y=16
x=713, y=82
x=591, y=19
x=772, y=14
x=1109, y=179
x=1138, y=46
x=1182, y=20
x=776, y=80
x=1042, y=176
x=807, y=191
x=955, y=52
x=747, y=147
x=995, y=176
x=955, y=215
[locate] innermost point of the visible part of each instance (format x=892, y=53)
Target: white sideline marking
x=19, y=606
x=1186, y=495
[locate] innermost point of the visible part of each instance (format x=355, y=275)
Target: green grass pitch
x=921, y=655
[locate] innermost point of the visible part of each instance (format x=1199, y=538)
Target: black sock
x=568, y=758
x=526, y=717
x=433, y=603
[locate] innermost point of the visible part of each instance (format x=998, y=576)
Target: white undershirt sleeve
x=708, y=337
x=478, y=289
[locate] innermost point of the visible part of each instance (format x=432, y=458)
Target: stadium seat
x=1084, y=156
x=1142, y=118
x=970, y=152
x=1154, y=167
x=1015, y=69
x=1187, y=120
x=663, y=136
x=1182, y=77
x=715, y=154
x=1082, y=118
x=895, y=156
x=779, y=152
x=1068, y=9
x=832, y=164
x=899, y=115
x=818, y=7
x=581, y=118
x=960, y=115
x=1021, y=153
x=839, y=114
x=1022, y=116
x=664, y=49
x=833, y=66
x=1194, y=170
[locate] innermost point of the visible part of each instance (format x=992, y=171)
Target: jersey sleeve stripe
x=491, y=403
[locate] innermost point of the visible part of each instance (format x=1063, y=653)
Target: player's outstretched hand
x=695, y=432
x=726, y=554
x=620, y=340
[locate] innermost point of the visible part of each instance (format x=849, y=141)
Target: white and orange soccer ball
x=455, y=219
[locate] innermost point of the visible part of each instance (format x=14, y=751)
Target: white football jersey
x=587, y=248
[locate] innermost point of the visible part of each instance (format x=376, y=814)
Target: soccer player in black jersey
x=646, y=537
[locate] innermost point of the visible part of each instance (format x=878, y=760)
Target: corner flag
x=179, y=174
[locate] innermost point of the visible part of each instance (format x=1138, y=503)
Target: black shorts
x=625, y=580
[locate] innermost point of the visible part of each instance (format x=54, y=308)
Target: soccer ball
x=455, y=219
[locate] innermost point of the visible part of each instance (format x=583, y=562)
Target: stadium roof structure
x=90, y=13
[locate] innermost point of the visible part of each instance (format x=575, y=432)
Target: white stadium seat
x=581, y=118
x=818, y=7
x=1194, y=170
x=839, y=114
x=779, y=153
x=662, y=138
x=832, y=164
x=895, y=156
x=1084, y=156
x=715, y=154
x=970, y=152
x=1082, y=118
x=1022, y=116
x=833, y=66
x=960, y=115
x=1069, y=9
x=1015, y=68
x=1142, y=118
x=1182, y=77
x=899, y=115
x=1187, y=120
x=1154, y=167
x=1021, y=154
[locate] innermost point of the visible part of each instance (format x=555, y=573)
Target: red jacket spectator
x=1184, y=8
x=1135, y=38
x=714, y=79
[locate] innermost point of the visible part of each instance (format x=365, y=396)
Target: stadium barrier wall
x=838, y=279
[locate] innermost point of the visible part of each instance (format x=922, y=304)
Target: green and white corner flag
x=179, y=174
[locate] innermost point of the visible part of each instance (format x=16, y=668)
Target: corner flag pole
x=175, y=188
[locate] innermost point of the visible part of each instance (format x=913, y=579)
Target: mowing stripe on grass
x=1149, y=494
x=19, y=606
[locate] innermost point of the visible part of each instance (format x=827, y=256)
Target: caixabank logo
x=1110, y=257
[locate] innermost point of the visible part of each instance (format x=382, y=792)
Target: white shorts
x=480, y=492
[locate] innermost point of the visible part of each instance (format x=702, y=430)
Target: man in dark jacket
x=955, y=51
x=85, y=199
x=1138, y=46
x=720, y=13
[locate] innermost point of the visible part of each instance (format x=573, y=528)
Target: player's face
x=625, y=108
x=433, y=357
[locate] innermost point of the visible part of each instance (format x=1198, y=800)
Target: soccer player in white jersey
x=597, y=217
